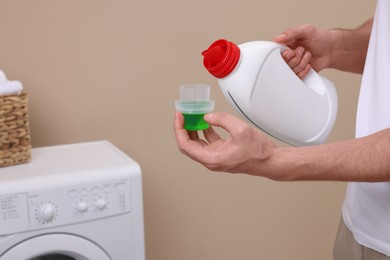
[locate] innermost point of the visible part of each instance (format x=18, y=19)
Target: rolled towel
x=11, y=87
x=3, y=78
x=8, y=87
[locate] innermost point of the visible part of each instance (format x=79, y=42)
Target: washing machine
x=77, y=201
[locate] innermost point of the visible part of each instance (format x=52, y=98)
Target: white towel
x=3, y=78
x=8, y=87
x=11, y=87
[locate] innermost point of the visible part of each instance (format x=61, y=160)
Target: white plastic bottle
x=256, y=80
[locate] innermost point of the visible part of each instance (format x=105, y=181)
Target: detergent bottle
x=256, y=80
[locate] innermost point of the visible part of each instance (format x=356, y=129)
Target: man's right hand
x=309, y=46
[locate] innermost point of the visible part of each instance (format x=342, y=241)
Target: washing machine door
x=55, y=247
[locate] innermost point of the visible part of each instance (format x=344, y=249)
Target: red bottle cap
x=221, y=58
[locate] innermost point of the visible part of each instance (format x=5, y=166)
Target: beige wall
x=111, y=69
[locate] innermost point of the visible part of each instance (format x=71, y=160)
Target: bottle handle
x=312, y=80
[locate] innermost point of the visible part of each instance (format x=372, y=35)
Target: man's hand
x=309, y=46
x=246, y=150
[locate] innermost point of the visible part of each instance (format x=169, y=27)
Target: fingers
x=283, y=38
x=288, y=37
x=193, y=135
x=178, y=127
x=298, y=60
x=304, y=72
x=287, y=55
x=218, y=154
x=303, y=64
x=226, y=121
x=189, y=147
x=182, y=136
x=210, y=135
x=189, y=142
x=295, y=34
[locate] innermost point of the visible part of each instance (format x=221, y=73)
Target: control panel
x=63, y=205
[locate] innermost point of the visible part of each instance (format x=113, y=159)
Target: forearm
x=350, y=48
x=359, y=160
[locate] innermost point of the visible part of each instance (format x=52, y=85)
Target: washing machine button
x=82, y=206
x=101, y=203
x=46, y=212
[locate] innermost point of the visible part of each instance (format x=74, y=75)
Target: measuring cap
x=194, y=102
x=194, y=99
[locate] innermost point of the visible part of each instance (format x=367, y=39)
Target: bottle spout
x=221, y=58
x=213, y=55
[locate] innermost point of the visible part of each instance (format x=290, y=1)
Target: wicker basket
x=15, y=144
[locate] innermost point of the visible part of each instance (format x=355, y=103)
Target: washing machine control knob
x=82, y=206
x=46, y=212
x=100, y=203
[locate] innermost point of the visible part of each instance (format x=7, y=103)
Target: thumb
x=224, y=120
x=282, y=38
x=296, y=33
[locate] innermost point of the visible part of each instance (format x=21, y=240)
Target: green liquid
x=195, y=122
